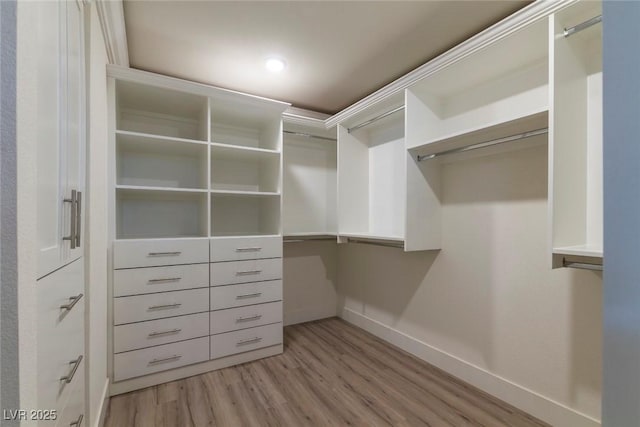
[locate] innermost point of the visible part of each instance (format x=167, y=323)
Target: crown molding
x=111, y=15
x=540, y=9
x=303, y=117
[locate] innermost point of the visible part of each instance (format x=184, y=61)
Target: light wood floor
x=331, y=373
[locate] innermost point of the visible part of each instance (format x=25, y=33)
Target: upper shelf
x=486, y=134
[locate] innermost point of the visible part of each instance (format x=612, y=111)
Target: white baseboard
x=104, y=405
x=529, y=401
x=308, y=314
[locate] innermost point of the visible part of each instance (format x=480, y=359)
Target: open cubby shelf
x=144, y=214
x=576, y=137
x=146, y=161
x=244, y=171
x=245, y=126
x=371, y=178
x=159, y=111
x=244, y=215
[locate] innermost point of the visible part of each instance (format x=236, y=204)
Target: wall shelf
x=252, y=214
x=245, y=171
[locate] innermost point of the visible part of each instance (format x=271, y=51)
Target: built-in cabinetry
x=196, y=228
x=575, y=152
x=309, y=179
x=61, y=139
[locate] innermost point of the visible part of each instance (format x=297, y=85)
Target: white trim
x=104, y=406
x=300, y=116
x=539, y=406
x=111, y=14
x=525, y=16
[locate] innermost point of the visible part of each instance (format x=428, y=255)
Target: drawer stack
x=246, y=294
x=177, y=302
x=160, y=305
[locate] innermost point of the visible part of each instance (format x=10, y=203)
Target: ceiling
x=337, y=52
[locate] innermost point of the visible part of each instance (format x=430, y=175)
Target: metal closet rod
x=582, y=265
x=484, y=144
x=375, y=119
x=586, y=24
x=308, y=135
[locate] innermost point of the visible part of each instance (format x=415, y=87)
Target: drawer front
x=73, y=409
x=245, y=294
x=245, y=317
x=227, y=273
x=157, y=306
x=137, y=281
x=245, y=340
x=161, y=358
x=157, y=252
x=244, y=248
x=60, y=333
x=162, y=331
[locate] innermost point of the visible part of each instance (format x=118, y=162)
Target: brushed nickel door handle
x=73, y=302
x=76, y=363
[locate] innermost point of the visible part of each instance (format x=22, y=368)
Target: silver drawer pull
x=249, y=341
x=76, y=363
x=78, y=422
x=168, y=279
x=176, y=253
x=73, y=301
x=249, y=319
x=165, y=306
x=165, y=360
x=163, y=333
x=73, y=229
x=253, y=249
x=257, y=294
x=248, y=272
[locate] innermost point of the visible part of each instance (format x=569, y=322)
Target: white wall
x=487, y=307
x=96, y=222
x=309, y=281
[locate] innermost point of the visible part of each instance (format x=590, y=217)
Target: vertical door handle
x=72, y=237
x=78, y=218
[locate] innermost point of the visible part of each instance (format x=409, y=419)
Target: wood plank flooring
x=330, y=374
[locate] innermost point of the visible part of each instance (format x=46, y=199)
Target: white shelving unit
x=371, y=177
x=575, y=187
x=309, y=179
x=197, y=185
x=505, y=97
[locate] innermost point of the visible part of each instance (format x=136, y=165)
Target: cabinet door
x=51, y=182
x=74, y=144
x=61, y=133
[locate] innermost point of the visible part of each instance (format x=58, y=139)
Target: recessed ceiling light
x=275, y=65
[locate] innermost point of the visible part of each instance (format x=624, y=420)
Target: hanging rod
x=376, y=243
x=375, y=119
x=303, y=239
x=586, y=24
x=308, y=135
x=582, y=265
x=484, y=144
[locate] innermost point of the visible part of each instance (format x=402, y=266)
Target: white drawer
x=233, y=319
x=73, y=409
x=60, y=333
x=227, y=273
x=161, y=358
x=157, y=306
x=245, y=294
x=136, y=281
x=157, y=252
x=161, y=331
x=243, y=248
x=245, y=340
